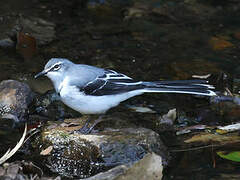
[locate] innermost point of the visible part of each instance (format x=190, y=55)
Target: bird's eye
x=56, y=67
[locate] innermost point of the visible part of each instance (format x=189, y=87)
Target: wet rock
x=6, y=43
x=42, y=30
x=111, y=174
x=22, y=170
x=169, y=118
x=136, y=11
x=25, y=33
x=228, y=109
x=166, y=121
x=150, y=167
x=50, y=105
x=77, y=155
x=15, y=98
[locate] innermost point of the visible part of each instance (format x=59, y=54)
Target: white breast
x=86, y=104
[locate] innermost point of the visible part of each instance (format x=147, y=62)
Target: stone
x=49, y=105
x=82, y=156
x=15, y=97
x=150, y=167
x=42, y=30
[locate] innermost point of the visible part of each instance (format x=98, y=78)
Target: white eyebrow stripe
x=48, y=69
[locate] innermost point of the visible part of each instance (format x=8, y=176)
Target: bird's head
x=55, y=68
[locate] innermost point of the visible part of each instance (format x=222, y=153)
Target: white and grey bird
x=92, y=90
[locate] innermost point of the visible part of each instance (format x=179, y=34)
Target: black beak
x=40, y=74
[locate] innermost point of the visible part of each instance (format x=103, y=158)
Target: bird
x=93, y=90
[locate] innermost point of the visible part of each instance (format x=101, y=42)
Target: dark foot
x=87, y=130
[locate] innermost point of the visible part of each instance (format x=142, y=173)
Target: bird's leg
x=86, y=129
x=98, y=120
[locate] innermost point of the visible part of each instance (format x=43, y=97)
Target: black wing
x=111, y=83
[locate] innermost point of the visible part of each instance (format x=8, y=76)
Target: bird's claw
x=87, y=130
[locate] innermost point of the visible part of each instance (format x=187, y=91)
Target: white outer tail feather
x=211, y=93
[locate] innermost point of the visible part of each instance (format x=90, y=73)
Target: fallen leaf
x=207, y=138
x=184, y=131
x=189, y=129
x=201, y=76
x=219, y=131
x=219, y=44
x=141, y=109
x=233, y=156
x=46, y=151
x=26, y=45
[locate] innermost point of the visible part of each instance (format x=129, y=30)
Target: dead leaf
x=219, y=131
x=207, y=138
x=26, y=45
x=46, y=151
x=189, y=129
x=141, y=109
x=219, y=44
x=201, y=76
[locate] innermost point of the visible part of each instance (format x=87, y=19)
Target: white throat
x=64, y=83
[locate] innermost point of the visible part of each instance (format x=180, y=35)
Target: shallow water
x=174, y=42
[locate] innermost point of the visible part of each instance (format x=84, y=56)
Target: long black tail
x=198, y=87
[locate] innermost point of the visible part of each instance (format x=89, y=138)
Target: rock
x=111, y=174
x=150, y=167
x=169, y=118
x=21, y=170
x=25, y=34
x=15, y=98
x=6, y=43
x=166, y=121
x=136, y=11
x=49, y=105
x=41, y=29
x=77, y=155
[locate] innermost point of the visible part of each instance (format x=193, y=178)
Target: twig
x=9, y=152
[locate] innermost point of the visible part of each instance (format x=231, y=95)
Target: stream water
x=146, y=40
